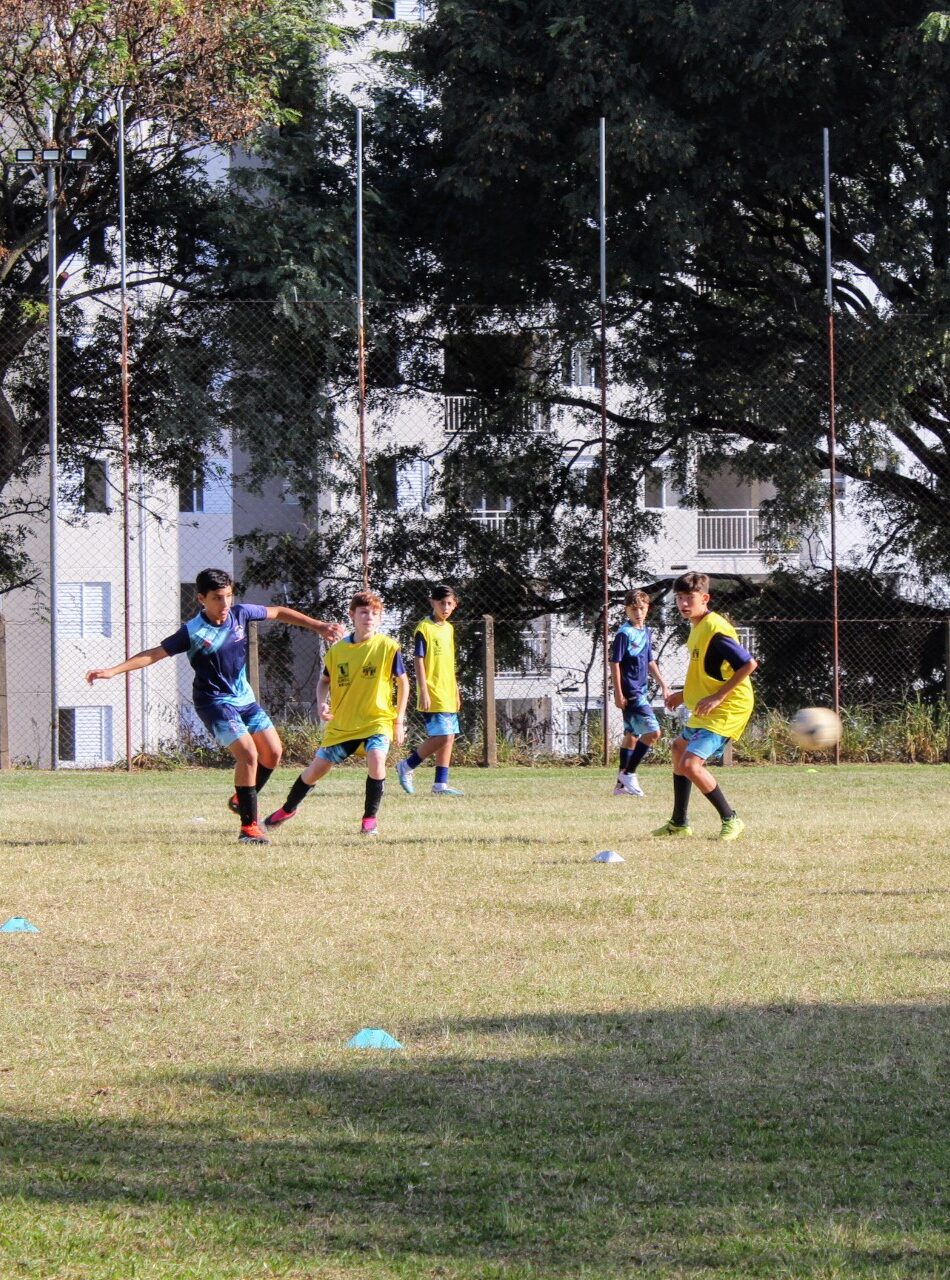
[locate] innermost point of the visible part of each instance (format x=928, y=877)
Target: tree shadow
x=793, y=1140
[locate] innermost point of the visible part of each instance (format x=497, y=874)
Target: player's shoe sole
x=732, y=829
x=253, y=835
x=671, y=829
x=404, y=774
x=446, y=791
x=277, y=819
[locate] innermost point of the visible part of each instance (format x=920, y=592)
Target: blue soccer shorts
x=639, y=718
x=439, y=724
x=703, y=742
x=339, y=751
x=226, y=722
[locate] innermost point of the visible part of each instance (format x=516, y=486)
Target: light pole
x=52, y=157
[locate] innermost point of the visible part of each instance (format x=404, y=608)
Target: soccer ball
x=815, y=728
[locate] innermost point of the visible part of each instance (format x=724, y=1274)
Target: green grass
x=711, y=1061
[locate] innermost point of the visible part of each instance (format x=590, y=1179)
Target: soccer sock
x=260, y=781
x=297, y=792
x=247, y=804
x=441, y=773
x=681, y=789
x=413, y=761
x=720, y=803
x=374, y=794
x=636, y=754
x=624, y=758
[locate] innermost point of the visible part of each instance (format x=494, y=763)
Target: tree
x=192, y=73
x=716, y=262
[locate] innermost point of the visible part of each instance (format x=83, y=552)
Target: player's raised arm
x=328, y=631
x=144, y=659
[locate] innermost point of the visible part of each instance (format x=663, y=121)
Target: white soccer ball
x=815, y=728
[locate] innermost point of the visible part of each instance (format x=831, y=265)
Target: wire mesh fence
x=483, y=469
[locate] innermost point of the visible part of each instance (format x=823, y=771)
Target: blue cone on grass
x=18, y=924
x=373, y=1038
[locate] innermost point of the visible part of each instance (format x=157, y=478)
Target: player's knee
x=651, y=738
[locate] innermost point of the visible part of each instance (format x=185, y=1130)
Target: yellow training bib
x=439, y=661
x=361, y=689
x=732, y=715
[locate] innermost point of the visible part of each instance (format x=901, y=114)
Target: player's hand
x=620, y=703
x=101, y=673
x=706, y=706
x=325, y=712
x=673, y=700
x=425, y=700
x=330, y=631
x=399, y=730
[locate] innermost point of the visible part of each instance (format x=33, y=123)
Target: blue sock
x=414, y=760
x=624, y=757
x=441, y=773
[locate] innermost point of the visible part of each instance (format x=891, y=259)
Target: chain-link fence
x=483, y=468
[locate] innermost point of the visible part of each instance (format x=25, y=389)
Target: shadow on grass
x=800, y=1140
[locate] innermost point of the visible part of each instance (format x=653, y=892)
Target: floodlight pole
x=361, y=352
x=124, y=369
x=604, y=478
x=52, y=300
x=832, y=444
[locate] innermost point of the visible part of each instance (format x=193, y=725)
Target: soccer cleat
x=630, y=784
x=732, y=828
x=620, y=789
x=443, y=789
x=404, y=773
x=233, y=804
x=278, y=818
x=671, y=829
x=253, y=834
x=368, y=827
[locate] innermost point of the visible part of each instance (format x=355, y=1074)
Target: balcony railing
x=470, y=413
x=497, y=520
x=535, y=656
x=730, y=532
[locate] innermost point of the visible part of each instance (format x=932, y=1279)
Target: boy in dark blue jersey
x=631, y=664
x=215, y=641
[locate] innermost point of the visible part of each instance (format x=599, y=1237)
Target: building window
x=95, y=487
x=384, y=10
x=191, y=490
x=85, y=735
x=581, y=368
x=84, y=609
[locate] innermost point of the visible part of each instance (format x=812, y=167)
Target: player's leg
x=443, y=759
x=627, y=743
x=643, y=725
x=693, y=765
x=678, y=824
x=377, y=749
x=442, y=728
x=244, y=751
x=269, y=750
x=321, y=764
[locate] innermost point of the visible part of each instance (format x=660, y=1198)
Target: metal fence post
x=4, y=720
x=489, y=726
x=946, y=679
x=253, y=660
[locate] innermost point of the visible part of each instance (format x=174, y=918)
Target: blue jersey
x=632, y=650
x=218, y=655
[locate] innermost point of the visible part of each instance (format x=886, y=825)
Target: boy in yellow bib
x=355, y=696
x=437, y=692
x=718, y=693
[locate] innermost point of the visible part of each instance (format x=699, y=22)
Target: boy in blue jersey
x=631, y=663
x=215, y=641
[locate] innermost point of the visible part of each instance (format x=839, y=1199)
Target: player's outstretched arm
x=328, y=631
x=144, y=659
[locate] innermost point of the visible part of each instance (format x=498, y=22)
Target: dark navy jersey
x=218, y=655
x=632, y=650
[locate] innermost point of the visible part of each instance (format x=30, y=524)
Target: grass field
x=716, y=1060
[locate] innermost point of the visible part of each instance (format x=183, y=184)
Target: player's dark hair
x=442, y=592
x=692, y=582
x=212, y=580
x=637, y=597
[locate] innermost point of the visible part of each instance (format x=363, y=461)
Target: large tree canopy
x=192, y=74
x=715, y=113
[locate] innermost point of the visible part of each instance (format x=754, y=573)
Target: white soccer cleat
x=630, y=785
x=404, y=774
x=443, y=789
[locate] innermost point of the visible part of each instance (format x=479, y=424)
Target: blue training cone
x=18, y=924
x=373, y=1038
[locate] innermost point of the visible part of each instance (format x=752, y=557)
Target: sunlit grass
x=715, y=1059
